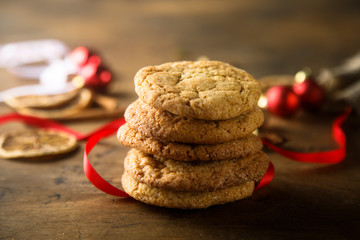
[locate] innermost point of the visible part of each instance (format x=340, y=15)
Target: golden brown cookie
x=184, y=200
x=194, y=176
x=35, y=143
x=189, y=152
x=163, y=125
x=210, y=90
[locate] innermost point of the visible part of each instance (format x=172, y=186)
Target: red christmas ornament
x=95, y=77
x=105, y=77
x=79, y=56
x=310, y=94
x=95, y=59
x=88, y=71
x=90, y=67
x=282, y=101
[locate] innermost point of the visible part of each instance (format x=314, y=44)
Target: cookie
x=35, y=143
x=209, y=90
x=184, y=200
x=79, y=103
x=163, y=125
x=194, y=176
x=189, y=152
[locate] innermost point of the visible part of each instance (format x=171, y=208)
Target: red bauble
x=79, y=56
x=96, y=77
x=282, y=101
x=95, y=59
x=310, y=93
x=89, y=66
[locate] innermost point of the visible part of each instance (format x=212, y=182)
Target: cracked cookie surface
x=194, y=176
x=184, y=200
x=163, y=125
x=210, y=90
x=189, y=152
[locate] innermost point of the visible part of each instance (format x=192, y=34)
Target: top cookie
x=209, y=90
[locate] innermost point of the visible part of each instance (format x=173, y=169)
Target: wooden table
x=54, y=200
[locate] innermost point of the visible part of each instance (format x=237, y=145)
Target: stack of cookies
x=191, y=135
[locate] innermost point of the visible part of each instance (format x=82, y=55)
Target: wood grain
x=54, y=200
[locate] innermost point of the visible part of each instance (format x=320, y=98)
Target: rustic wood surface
x=54, y=200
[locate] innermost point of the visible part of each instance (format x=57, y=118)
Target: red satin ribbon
x=49, y=124
x=267, y=178
x=329, y=157
x=39, y=122
x=91, y=173
x=93, y=138
x=326, y=157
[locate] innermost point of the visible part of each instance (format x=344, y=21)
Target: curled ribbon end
x=90, y=172
x=324, y=157
x=267, y=178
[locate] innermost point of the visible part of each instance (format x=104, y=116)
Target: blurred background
x=264, y=37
